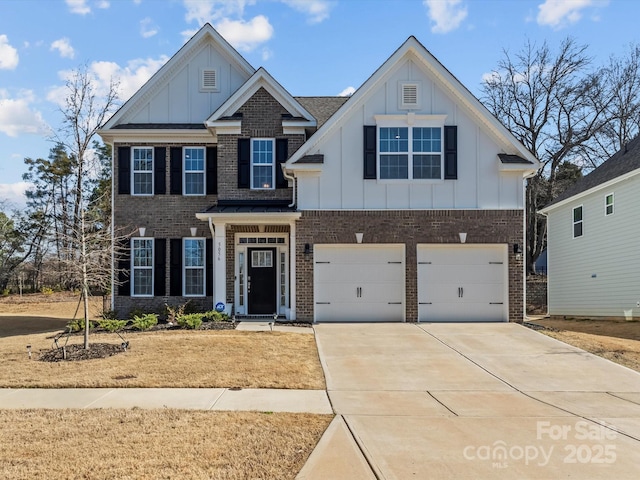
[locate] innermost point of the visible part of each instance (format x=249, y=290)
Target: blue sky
x=312, y=47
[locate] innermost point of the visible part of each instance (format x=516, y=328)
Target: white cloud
x=447, y=15
x=103, y=4
x=147, y=28
x=13, y=194
x=203, y=11
x=347, y=92
x=78, y=6
x=8, y=54
x=17, y=116
x=63, y=45
x=246, y=36
x=266, y=54
x=561, y=13
x=317, y=10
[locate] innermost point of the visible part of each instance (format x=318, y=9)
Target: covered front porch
x=254, y=259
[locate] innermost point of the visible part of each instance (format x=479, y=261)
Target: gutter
x=289, y=177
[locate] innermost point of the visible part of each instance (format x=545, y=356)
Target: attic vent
x=409, y=95
x=209, y=80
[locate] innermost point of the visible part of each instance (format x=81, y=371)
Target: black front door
x=261, y=281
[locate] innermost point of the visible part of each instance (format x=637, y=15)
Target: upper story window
x=608, y=204
x=577, y=222
x=410, y=153
x=142, y=178
x=194, y=264
x=142, y=267
x=262, y=163
x=194, y=168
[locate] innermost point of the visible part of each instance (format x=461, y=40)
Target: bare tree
x=84, y=112
x=554, y=104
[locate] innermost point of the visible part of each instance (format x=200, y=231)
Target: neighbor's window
x=194, y=262
x=142, y=178
x=142, y=267
x=193, y=170
x=262, y=163
x=608, y=204
x=577, y=222
x=410, y=153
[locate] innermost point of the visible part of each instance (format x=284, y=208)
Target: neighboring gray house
x=403, y=202
x=592, y=241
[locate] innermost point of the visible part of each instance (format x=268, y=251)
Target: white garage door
x=462, y=283
x=359, y=283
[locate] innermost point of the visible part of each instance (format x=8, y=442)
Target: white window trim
x=203, y=171
x=613, y=201
x=203, y=268
x=133, y=172
x=409, y=121
x=574, y=222
x=133, y=268
x=273, y=164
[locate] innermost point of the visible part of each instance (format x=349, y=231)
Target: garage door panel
x=384, y=273
x=462, y=283
x=359, y=283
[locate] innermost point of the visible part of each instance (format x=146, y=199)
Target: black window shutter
x=175, y=269
x=282, y=153
x=159, y=266
x=212, y=171
x=370, y=152
x=209, y=274
x=159, y=170
x=124, y=269
x=450, y=152
x=244, y=162
x=124, y=170
x=176, y=171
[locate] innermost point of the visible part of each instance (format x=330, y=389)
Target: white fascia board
x=225, y=127
x=578, y=196
x=264, y=218
x=156, y=135
x=526, y=169
x=309, y=169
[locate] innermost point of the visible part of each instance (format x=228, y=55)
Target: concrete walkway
x=476, y=401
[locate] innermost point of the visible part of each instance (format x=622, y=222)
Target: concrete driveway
x=472, y=401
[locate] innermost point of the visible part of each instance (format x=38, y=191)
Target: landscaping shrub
x=191, y=320
x=213, y=316
x=112, y=325
x=46, y=291
x=144, y=322
x=77, y=325
x=174, y=312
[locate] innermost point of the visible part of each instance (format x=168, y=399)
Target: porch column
x=220, y=265
x=292, y=272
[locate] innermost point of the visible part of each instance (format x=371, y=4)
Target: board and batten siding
x=180, y=100
x=597, y=274
x=480, y=184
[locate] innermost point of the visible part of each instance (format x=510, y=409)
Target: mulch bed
x=77, y=352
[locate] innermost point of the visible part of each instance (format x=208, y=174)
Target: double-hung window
x=608, y=204
x=577, y=222
x=194, y=179
x=262, y=163
x=410, y=153
x=142, y=178
x=142, y=267
x=194, y=265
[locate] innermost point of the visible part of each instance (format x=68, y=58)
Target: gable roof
x=322, y=108
x=413, y=48
x=261, y=79
x=622, y=163
x=206, y=34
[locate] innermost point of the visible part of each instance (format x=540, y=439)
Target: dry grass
x=158, y=444
x=175, y=358
x=615, y=340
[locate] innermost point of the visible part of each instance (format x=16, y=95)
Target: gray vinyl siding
x=597, y=274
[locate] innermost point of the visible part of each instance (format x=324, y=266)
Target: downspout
x=293, y=179
x=546, y=217
x=113, y=234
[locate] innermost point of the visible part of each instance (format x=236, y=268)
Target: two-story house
x=403, y=202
